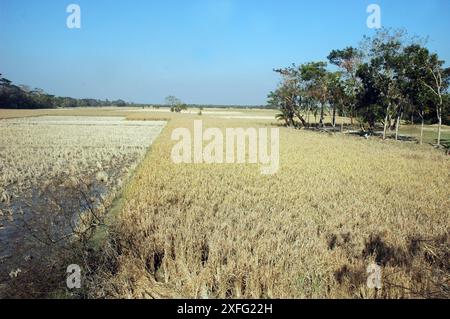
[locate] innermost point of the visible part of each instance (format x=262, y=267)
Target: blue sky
x=202, y=51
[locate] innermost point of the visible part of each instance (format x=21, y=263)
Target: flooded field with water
x=52, y=166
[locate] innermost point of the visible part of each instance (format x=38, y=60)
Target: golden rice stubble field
x=336, y=205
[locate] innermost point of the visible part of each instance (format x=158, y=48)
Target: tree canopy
x=389, y=78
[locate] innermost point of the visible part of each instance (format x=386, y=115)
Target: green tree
x=437, y=82
x=175, y=104
x=380, y=75
x=315, y=82
x=337, y=96
x=420, y=97
x=348, y=60
x=288, y=97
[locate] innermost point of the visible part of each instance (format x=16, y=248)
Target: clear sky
x=202, y=51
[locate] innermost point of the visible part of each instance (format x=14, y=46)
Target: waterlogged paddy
x=36, y=151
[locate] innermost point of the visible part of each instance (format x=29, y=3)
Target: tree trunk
x=289, y=121
x=439, y=126
x=300, y=117
x=321, y=115
x=334, y=116
x=385, y=124
x=421, y=130
x=397, y=124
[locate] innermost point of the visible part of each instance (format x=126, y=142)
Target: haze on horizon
x=202, y=51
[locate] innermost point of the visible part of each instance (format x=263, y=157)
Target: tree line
x=389, y=79
x=23, y=97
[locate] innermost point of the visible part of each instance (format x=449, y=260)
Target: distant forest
x=14, y=96
x=23, y=97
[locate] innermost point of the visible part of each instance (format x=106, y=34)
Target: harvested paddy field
x=45, y=160
x=337, y=204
